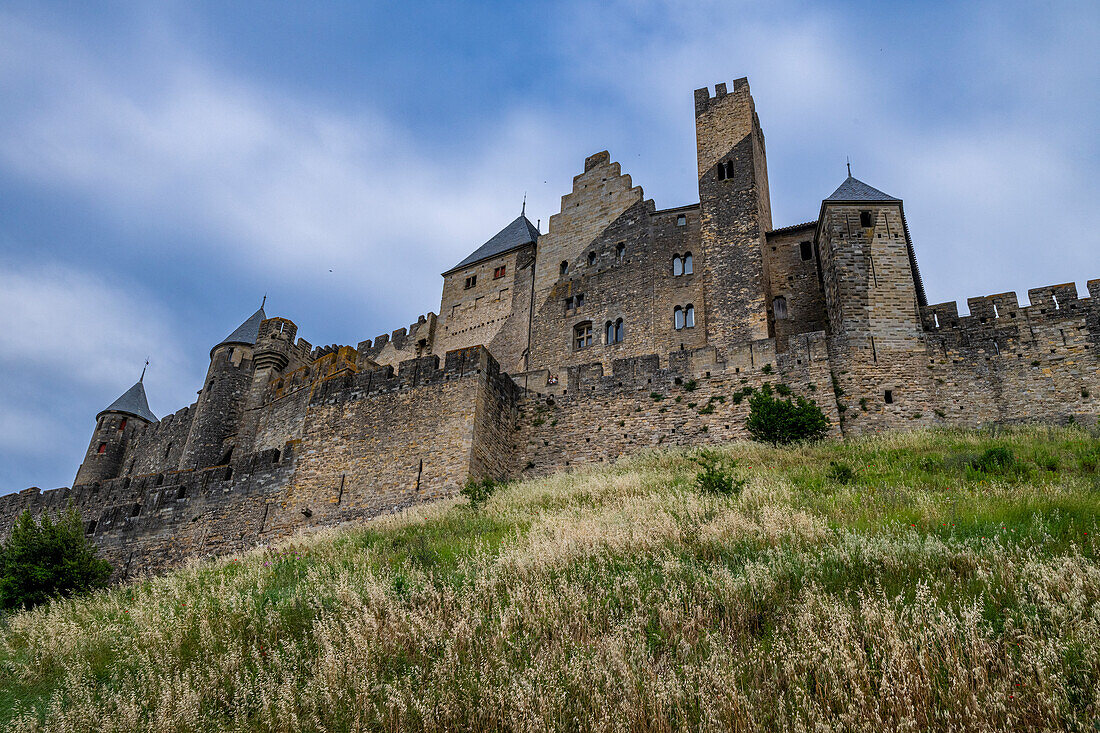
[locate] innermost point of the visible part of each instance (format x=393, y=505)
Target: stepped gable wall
x=695, y=399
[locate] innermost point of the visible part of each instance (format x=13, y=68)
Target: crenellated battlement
x=1002, y=310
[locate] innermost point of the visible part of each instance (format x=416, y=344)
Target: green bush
x=782, y=421
x=48, y=559
x=716, y=476
x=994, y=460
x=479, y=492
x=840, y=473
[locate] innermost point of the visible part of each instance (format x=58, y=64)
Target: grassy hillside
x=940, y=585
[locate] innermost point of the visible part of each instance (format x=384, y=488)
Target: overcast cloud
x=163, y=165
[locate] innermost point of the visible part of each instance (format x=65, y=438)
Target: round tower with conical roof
x=221, y=400
x=114, y=428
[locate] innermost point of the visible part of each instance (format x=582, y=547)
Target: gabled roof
x=518, y=233
x=854, y=189
x=246, y=333
x=132, y=402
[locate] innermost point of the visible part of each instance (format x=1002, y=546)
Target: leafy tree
x=478, y=492
x=48, y=559
x=782, y=421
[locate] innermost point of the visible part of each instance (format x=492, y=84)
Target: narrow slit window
x=806, y=251
x=620, y=331
x=609, y=332
x=122, y=425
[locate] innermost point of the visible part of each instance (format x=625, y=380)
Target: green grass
x=948, y=581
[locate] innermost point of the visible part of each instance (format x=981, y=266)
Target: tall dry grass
x=923, y=595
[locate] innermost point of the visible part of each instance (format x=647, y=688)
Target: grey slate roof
x=854, y=189
x=518, y=233
x=246, y=333
x=132, y=402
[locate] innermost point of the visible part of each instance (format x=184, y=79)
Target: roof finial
x=523, y=211
x=142, y=379
x=849, y=165
x=263, y=302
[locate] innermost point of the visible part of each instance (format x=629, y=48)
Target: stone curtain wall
x=597, y=418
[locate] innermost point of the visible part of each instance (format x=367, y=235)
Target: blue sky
x=164, y=164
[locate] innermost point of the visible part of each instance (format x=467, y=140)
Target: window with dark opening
x=779, y=307
x=681, y=220
x=167, y=450
x=591, y=258
x=889, y=396
x=471, y=281
x=582, y=335
x=564, y=267
x=865, y=219
x=135, y=510
x=90, y=528
x=102, y=448
x=614, y=332
x=122, y=425
x=499, y=272
x=721, y=171
x=806, y=251
x=620, y=251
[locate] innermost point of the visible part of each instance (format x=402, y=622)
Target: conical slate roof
x=854, y=189
x=518, y=233
x=132, y=402
x=246, y=333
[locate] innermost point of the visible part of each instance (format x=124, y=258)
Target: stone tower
x=271, y=355
x=114, y=428
x=223, y=396
x=873, y=296
x=735, y=210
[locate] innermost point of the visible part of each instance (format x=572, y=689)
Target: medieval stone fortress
x=622, y=327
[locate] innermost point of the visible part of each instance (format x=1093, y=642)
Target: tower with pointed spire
x=114, y=428
x=222, y=398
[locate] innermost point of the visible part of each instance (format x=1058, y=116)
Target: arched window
x=614, y=332
x=582, y=335
x=689, y=266
x=620, y=331
x=564, y=267
x=609, y=333
x=689, y=316
x=591, y=258
x=677, y=266
x=779, y=307
x=678, y=317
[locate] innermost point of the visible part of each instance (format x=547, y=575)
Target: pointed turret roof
x=246, y=333
x=517, y=234
x=132, y=402
x=854, y=189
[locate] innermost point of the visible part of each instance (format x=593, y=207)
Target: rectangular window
x=889, y=396
x=471, y=281
x=681, y=220
x=865, y=219
x=582, y=335
x=102, y=448
x=498, y=272
x=806, y=250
